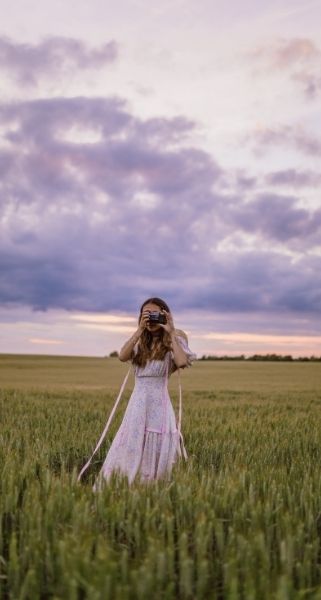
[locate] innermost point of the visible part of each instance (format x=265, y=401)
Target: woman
x=147, y=442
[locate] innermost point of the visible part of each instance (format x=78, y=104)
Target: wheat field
x=241, y=519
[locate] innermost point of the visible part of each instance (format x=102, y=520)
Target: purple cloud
x=277, y=217
x=257, y=282
x=97, y=225
x=292, y=136
x=54, y=56
x=294, y=177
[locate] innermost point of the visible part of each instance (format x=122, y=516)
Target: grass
x=240, y=519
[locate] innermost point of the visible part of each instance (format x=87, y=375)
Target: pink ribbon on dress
x=180, y=415
x=106, y=426
x=164, y=398
x=180, y=435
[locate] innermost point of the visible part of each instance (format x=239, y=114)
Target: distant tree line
x=257, y=357
x=263, y=357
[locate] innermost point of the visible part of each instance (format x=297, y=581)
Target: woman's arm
x=180, y=358
x=126, y=350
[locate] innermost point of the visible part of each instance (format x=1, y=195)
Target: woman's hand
x=144, y=320
x=169, y=326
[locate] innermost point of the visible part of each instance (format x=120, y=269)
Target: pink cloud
x=45, y=341
x=286, y=53
x=300, y=57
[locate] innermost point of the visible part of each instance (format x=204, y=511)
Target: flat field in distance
x=240, y=519
x=38, y=372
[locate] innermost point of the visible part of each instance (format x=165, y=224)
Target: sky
x=160, y=149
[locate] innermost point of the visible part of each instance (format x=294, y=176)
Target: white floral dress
x=148, y=441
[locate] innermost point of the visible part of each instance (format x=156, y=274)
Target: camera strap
x=106, y=426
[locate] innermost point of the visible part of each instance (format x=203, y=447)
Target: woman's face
x=152, y=327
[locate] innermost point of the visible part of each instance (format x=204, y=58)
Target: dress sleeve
x=191, y=356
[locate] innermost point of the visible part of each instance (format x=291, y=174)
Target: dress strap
x=106, y=426
x=181, y=439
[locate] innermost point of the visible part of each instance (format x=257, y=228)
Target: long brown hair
x=162, y=345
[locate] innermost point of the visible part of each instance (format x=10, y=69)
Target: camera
x=156, y=317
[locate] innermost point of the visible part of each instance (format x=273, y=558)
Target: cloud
x=27, y=64
x=136, y=210
x=46, y=341
x=294, y=177
x=293, y=136
x=299, y=57
x=310, y=82
x=72, y=213
x=286, y=340
x=279, y=218
x=260, y=282
x=283, y=53
x=99, y=319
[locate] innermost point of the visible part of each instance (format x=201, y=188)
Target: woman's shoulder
x=181, y=333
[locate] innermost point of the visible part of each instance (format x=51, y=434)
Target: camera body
x=156, y=317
